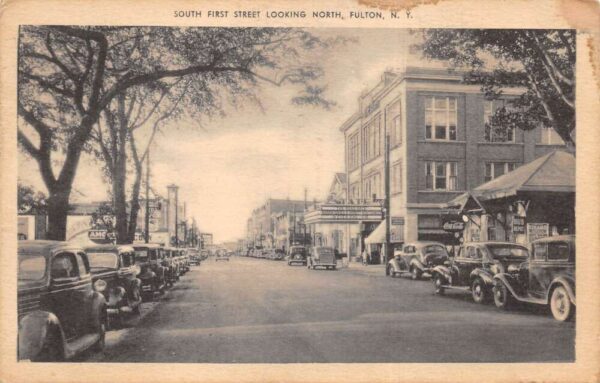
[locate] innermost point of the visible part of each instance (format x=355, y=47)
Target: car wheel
x=390, y=271
x=560, y=304
x=52, y=350
x=438, y=283
x=478, y=291
x=502, y=297
x=99, y=345
x=415, y=273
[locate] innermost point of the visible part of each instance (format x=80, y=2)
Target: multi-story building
x=261, y=224
x=440, y=147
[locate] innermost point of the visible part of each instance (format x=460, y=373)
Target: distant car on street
x=194, y=256
x=296, y=254
x=473, y=268
x=61, y=313
x=417, y=258
x=546, y=278
x=321, y=256
x=222, y=255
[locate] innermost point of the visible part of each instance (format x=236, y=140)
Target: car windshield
x=32, y=268
x=103, y=260
x=435, y=250
x=141, y=255
x=504, y=251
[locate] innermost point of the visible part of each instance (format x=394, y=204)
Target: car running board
x=462, y=288
x=537, y=301
x=80, y=344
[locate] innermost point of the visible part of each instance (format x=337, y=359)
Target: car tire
x=438, y=282
x=52, y=350
x=390, y=271
x=560, y=304
x=479, y=291
x=502, y=297
x=415, y=273
x=101, y=329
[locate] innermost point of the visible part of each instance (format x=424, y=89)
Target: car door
x=407, y=255
x=64, y=281
x=537, y=269
x=83, y=295
x=466, y=263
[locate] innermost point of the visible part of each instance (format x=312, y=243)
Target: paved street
x=259, y=311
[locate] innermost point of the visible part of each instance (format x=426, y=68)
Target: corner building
x=439, y=147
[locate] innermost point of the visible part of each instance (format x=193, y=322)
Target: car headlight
x=100, y=285
x=513, y=268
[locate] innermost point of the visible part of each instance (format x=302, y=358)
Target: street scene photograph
x=295, y=195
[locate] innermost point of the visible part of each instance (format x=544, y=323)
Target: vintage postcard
x=299, y=191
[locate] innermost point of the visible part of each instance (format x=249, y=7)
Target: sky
x=232, y=164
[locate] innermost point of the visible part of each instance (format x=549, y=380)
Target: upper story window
x=441, y=175
x=496, y=169
x=396, y=178
x=372, y=186
x=550, y=137
x=353, y=151
x=372, y=139
x=495, y=134
x=395, y=123
x=440, y=118
x=355, y=191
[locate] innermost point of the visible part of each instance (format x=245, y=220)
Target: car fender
x=443, y=271
x=566, y=283
x=416, y=263
x=34, y=329
x=506, y=280
x=98, y=309
x=395, y=264
x=483, y=275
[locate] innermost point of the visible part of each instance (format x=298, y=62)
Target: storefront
x=533, y=201
x=343, y=226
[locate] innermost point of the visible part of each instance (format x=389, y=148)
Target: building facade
x=439, y=147
x=260, y=226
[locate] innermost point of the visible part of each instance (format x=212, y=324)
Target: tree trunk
x=58, y=208
x=135, y=203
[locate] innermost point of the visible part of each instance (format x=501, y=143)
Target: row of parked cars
x=272, y=254
x=502, y=272
x=69, y=296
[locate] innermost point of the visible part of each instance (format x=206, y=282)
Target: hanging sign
x=518, y=224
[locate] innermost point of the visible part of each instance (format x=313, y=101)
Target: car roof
x=485, y=243
x=44, y=247
x=146, y=245
x=108, y=247
x=564, y=237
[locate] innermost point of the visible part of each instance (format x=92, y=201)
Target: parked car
x=194, y=256
x=222, y=255
x=546, y=278
x=296, y=254
x=61, y=313
x=417, y=258
x=171, y=262
x=152, y=268
x=474, y=267
x=115, y=265
x=321, y=256
x=204, y=255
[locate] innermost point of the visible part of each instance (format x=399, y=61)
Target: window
x=440, y=118
x=491, y=224
x=372, y=139
x=441, y=175
x=496, y=169
x=372, y=186
x=353, y=154
x=354, y=191
x=82, y=263
x=395, y=123
x=428, y=221
x=539, y=251
x=550, y=137
x=396, y=178
x=558, y=251
x=32, y=268
x=64, y=266
x=495, y=134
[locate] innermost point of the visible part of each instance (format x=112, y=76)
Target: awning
x=554, y=172
x=377, y=235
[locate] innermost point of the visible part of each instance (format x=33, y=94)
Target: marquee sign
x=344, y=213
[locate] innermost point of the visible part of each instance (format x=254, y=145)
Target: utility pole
x=177, y=218
x=147, y=217
x=387, y=199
